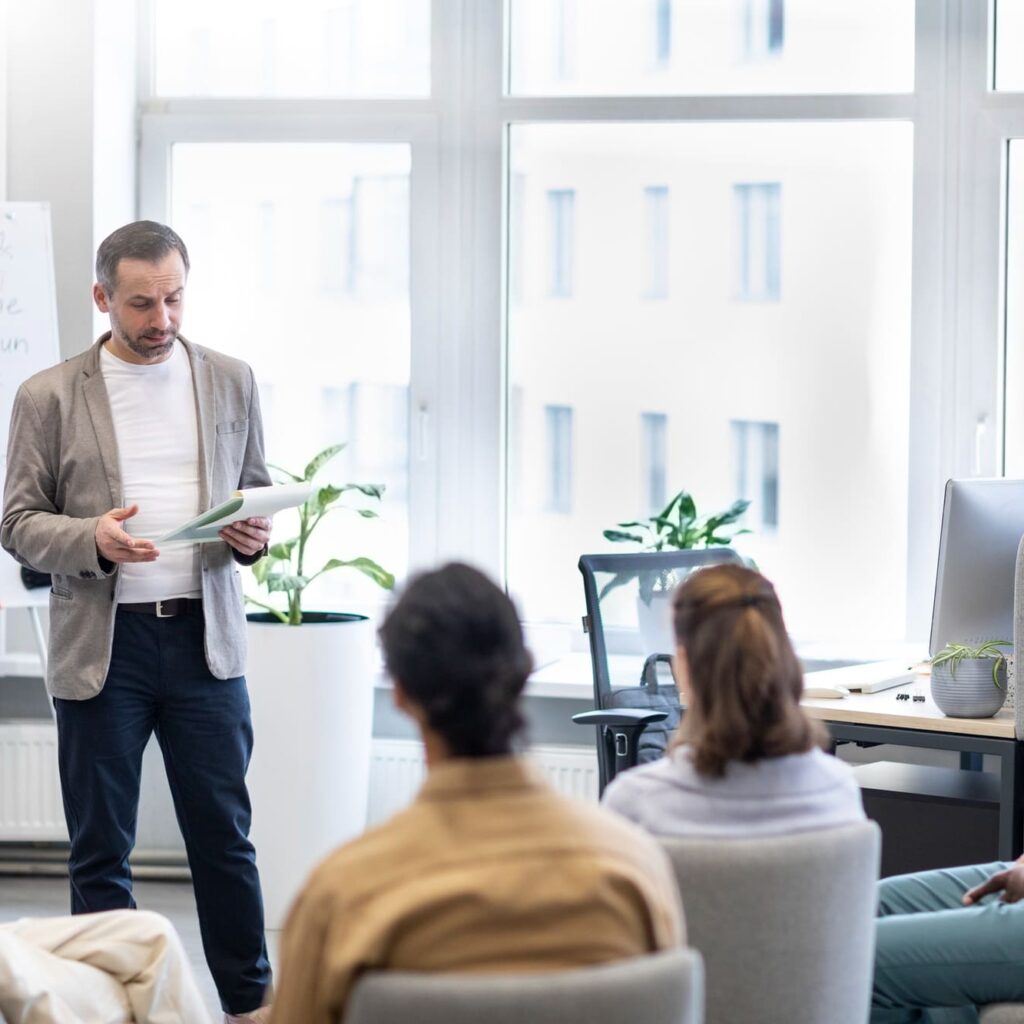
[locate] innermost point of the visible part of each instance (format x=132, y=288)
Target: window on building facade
x=380, y=235
x=758, y=256
x=337, y=266
x=268, y=246
x=657, y=230
x=561, y=241
x=653, y=460
x=662, y=32
x=558, y=431
x=764, y=28
x=756, y=464
x=564, y=13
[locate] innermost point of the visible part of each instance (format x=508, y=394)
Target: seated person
x=746, y=760
x=116, y=966
x=489, y=870
x=952, y=938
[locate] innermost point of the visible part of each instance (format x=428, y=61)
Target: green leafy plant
x=953, y=654
x=678, y=527
x=283, y=571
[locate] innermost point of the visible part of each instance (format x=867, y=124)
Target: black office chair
x=629, y=614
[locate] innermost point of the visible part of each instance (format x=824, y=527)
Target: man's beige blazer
x=63, y=473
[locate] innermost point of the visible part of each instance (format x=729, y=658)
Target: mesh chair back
x=628, y=614
x=663, y=988
x=785, y=925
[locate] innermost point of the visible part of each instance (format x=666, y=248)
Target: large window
x=300, y=257
x=304, y=48
x=546, y=262
x=657, y=47
x=818, y=361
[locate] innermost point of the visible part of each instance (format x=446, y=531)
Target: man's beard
x=138, y=344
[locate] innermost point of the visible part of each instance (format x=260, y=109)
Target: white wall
x=69, y=132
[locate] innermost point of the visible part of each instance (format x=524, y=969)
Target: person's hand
x=1009, y=882
x=115, y=545
x=247, y=536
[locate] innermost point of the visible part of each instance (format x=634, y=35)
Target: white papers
x=253, y=501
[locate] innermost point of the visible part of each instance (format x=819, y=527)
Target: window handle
x=980, y=429
x=422, y=431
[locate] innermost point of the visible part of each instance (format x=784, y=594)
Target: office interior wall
x=115, y=31
x=3, y=100
x=50, y=142
x=68, y=125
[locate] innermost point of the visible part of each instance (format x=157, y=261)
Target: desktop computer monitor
x=982, y=525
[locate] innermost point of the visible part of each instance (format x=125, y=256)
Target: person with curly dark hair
x=489, y=870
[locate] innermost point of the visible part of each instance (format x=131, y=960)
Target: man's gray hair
x=142, y=240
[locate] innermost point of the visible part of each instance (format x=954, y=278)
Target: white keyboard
x=868, y=678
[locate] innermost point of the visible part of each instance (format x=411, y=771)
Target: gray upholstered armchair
x=663, y=988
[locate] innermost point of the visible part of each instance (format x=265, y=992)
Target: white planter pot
x=311, y=689
x=654, y=621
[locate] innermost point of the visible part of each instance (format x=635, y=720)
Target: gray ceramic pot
x=971, y=692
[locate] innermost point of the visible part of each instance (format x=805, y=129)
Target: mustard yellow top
x=488, y=870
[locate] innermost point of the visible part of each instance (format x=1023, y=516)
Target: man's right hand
x=115, y=545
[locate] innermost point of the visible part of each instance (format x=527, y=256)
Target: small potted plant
x=311, y=690
x=678, y=527
x=969, y=679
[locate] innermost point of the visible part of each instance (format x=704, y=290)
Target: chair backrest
x=785, y=925
x=628, y=595
x=663, y=988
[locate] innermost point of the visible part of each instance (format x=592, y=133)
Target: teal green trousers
x=937, y=960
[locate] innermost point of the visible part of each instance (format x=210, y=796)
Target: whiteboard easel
x=28, y=344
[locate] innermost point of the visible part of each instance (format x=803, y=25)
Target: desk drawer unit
x=931, y=817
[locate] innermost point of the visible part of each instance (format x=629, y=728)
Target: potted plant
x=311, y=690
x=969, y=679
x=678, y=527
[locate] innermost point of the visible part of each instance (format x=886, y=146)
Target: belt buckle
x=160, y=613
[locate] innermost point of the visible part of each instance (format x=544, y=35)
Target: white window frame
x=459, y=193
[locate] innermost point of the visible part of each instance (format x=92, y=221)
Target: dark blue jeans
x=159, y=682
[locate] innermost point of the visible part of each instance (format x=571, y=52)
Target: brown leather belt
x=166, y=609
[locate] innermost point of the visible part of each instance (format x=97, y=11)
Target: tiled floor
x=36, y=897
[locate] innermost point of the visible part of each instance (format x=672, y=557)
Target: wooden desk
x=881, y=718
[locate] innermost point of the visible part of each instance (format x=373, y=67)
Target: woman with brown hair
x=746, y=761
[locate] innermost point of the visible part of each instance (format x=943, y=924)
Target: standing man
x=106, y=451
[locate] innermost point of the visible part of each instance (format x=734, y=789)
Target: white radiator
x=31, y=810
x=30, y=805
x=397, y=768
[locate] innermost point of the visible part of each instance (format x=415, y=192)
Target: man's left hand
x=248, y=536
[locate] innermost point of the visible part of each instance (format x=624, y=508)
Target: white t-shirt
x=154, y=411
x=773, y=796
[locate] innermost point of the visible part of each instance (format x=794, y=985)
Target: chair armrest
x=620, y=717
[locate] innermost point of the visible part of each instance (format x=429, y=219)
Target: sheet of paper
x=253, y=501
